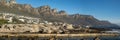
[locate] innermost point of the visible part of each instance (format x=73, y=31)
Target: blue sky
x=101, y=9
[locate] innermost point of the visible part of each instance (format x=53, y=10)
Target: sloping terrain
x=52, y=15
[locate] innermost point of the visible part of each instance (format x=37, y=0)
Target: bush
x=2, y=21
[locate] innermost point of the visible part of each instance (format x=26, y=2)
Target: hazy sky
x=101, y=9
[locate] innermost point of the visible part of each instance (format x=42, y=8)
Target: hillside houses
x=25, y=19
x=32, y=24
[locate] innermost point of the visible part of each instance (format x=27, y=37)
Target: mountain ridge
x=52, y=15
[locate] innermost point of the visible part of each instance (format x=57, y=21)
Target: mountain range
x=52, y=15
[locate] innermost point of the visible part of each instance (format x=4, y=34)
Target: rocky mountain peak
x=62, y=12
x=7, y=2
x=45, y=7
x=54, y=10
x=27, y=6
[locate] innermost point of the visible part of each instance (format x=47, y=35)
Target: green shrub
x=2, y=21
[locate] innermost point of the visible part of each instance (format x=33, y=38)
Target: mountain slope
x=52, y=15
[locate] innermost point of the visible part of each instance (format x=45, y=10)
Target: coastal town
x=49, y=30
x=25, y=22
x=48, y=20
x=20, y=23
x=30, y=24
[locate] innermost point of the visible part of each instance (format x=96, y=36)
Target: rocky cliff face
x=52, y=15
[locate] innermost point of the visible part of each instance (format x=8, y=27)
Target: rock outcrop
x=38, y=28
